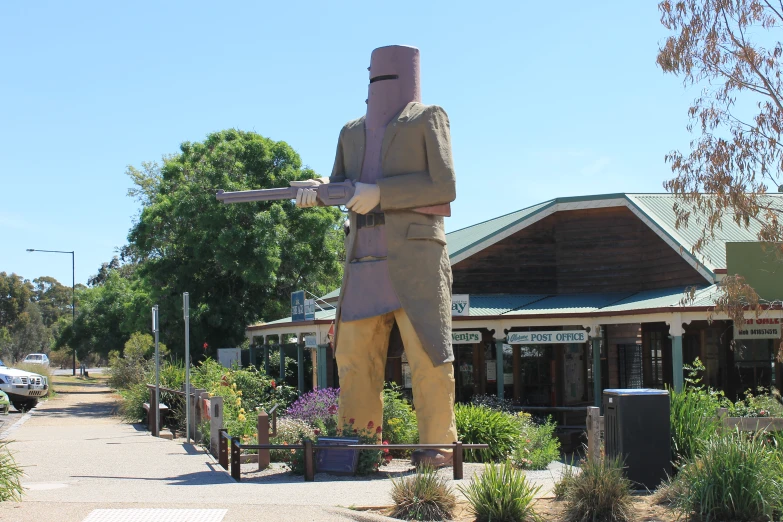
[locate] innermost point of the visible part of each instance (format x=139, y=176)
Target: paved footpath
x=82, y=463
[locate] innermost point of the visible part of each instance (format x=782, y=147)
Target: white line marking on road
x=156, y=515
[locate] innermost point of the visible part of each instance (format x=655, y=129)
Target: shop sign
x=309, y=309
x=298, y=306
x=310, y=341
x=471, y=337
x=460, y=305
x=557, y=337
x=759, y=328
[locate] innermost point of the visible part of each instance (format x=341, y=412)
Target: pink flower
x=316, y=431
x=351, y=420
x=370, y=425
x=379, y=429
x=332, y=410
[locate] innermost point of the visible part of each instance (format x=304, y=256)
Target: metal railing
x=232, y=458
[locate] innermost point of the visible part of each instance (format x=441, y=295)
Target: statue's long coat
x=417, y=171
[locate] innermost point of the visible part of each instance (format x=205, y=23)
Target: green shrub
x=736, y=477
x=600, y=491
x=765, y=403
x=136, y=361
x=501, y=494
x=538, y=446
x=425, y=495
x=289, y=431
x=10, y=475
x=399, y=420
x=483, y=425
x=693, y=415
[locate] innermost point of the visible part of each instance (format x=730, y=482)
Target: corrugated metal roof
x=461, y=240
x=497, y=304
x=660, y=208
x=530, y=305
x=568, y=304
x=319, y=315
x=663, y=298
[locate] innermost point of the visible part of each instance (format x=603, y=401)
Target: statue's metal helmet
x=394, y=82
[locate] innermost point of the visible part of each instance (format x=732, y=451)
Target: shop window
x=536, y=375
x=754, y=363
x=630, y=365
x=654, y=359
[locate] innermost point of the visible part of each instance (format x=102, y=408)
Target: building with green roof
x=575, y=295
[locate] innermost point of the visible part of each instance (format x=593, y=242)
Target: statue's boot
x=432, y=458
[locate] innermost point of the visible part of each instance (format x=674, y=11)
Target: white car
x=37, y=358
x=23, y=388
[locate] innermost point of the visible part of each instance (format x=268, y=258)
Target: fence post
x=457, y=457
x=309, y=461
x=151, y=414
x=593, y=433
x=223, y=451
x=215, y=422
x=263, y=438
x=235, y=465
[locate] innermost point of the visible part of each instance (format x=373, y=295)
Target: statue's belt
x=370, y=220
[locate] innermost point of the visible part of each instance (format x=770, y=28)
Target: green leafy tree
x=107, y=316
x=241, y=262
x=731, y=50
x=53, y=299
x=15, y=294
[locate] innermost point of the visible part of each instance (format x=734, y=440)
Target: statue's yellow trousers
x=361, y=361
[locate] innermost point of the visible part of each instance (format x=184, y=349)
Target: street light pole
x=73, y=292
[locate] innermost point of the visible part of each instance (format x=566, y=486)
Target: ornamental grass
x=10, y=475
x=600, y=491
x=425, y=495
x=501, y=494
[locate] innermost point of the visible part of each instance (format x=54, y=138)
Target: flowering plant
x=318, y=408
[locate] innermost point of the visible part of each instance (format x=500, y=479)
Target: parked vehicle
x=5, y=403
x=37, y=358
x=23, y=388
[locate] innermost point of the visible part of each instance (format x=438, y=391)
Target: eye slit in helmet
x=384, y=77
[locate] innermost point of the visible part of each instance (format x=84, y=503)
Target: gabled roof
x=655, y=210
x=523, y=306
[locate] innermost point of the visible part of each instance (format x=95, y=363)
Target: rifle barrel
x=244, y=196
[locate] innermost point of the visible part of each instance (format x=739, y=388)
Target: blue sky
x=545, y=100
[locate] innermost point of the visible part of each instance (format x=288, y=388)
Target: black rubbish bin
x=637, y=429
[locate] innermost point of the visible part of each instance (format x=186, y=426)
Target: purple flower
x=315, y=405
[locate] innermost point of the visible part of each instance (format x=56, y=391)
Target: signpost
x=186, y=309
x=460, y=305
x=340, y=462
x=155, y=326
x=554, y=337
x=309, y=308
x=759, y=328
x=298, y=306
x=470, y=337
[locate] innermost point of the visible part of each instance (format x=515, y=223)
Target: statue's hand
x=306, y=195
x=366, y=198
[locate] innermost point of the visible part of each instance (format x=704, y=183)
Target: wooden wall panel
x=577, y=251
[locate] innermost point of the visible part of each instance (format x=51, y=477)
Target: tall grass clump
x=693, y=415
x=425, y=495
x=10, y=475
x=501, y=494
x=600, y=491
x=483, y=425
x=737, y=477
